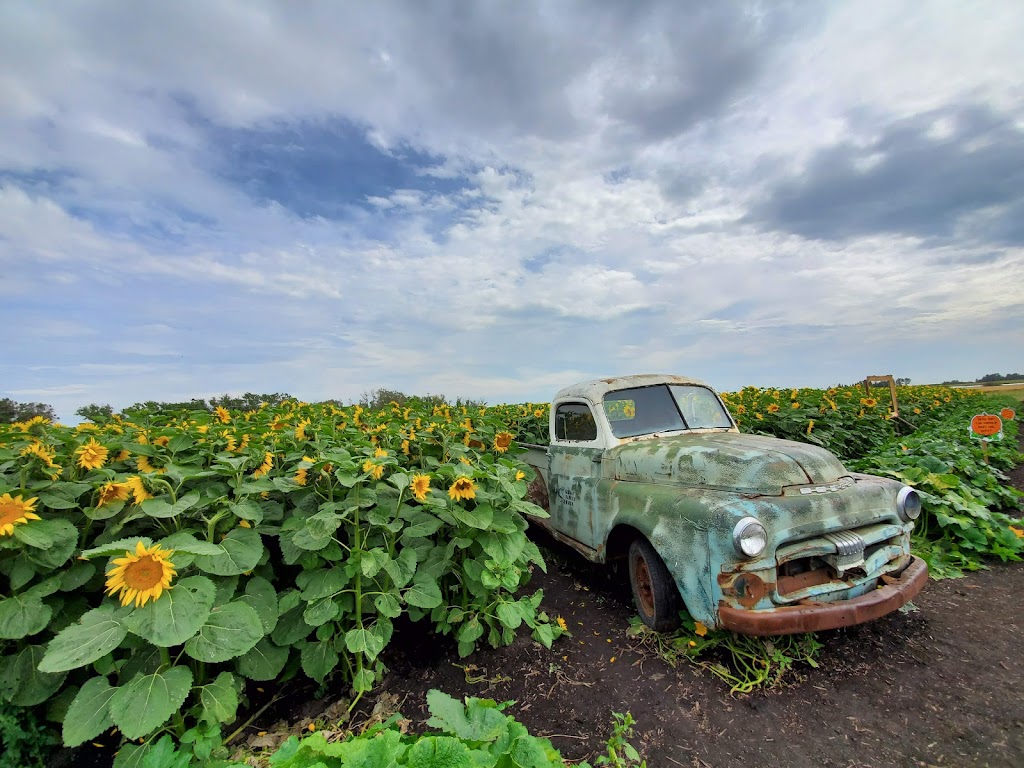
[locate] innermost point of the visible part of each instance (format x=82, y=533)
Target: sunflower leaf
x=264, y=662
x=260, y=594
x=89, y=714
x=119, y=547
x=176, y=615
x=22, y=682
x=95, y=635
x=183, y=541
x=161, y=508
x=230, y=631
x=43, y=534
x=243, y=548
x=23, y=615
x=423, y=594
x=149, y=700
x=219, y=699
x=319, y=659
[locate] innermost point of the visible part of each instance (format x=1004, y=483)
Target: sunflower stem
x=165, y=658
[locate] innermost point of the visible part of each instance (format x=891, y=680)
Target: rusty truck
x=745, y=532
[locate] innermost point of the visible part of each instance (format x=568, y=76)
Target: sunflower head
x=420, y=485
x=222, y=414
x=773, y=408
x=138, y=488
x=142, y=575
x=92, y=455
x=111, y=492
x=502, y=441
x=375, y=470
x=15, y=510
x=462, y=488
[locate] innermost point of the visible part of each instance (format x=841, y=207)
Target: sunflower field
x=155, y=567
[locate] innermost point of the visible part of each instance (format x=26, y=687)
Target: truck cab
x=746, y=532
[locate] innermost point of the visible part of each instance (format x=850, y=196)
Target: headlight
x=749, y=537
x=908, y=503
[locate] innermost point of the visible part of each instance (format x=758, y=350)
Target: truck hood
x=728, y=461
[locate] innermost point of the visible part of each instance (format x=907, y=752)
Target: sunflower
x=222, y=414
x=462, y=488
x=741, y=409
x=264, y=468
x=138, y=489
x=144, y=466
x=773, y=408
x=114, y=492
x=795, y=405
x=92, y=455
x=15, y=511
x=162, y=441
x=375, y=470
x=502, y=441
x=870, y=402
x=520, y=475
x=538, y=413
x=141, y=576
x=420, y=485
x=41, y=452
x=380, y=453
x=405, y=447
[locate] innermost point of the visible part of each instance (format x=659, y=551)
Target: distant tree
x=991, y=377
x=98, y=414
x=902, y=382
x=249, y=401
x=11, y=411
x=379, y=398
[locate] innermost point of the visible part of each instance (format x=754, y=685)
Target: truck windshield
x=663, y=408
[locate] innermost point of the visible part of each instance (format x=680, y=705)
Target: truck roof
x=594, y=391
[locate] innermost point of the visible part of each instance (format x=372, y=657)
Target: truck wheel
x=654, y=590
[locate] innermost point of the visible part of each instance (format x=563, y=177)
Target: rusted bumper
x=811, y=617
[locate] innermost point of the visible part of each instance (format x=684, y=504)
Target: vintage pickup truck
x=746, y=532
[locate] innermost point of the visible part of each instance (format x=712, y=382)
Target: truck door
x=574, y=470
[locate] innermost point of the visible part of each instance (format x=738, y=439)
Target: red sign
x=986, y=425
x=1008, y=414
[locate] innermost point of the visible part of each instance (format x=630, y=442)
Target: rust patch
x=789, y=584
x=747, y=589
x=537, y=493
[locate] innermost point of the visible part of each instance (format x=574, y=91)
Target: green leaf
x=291, y=628
x=21, y=681
x=88, y=716
x=439, y=752
x=148, y=701
x=176, y=615
x=231, y=630
x=43, y=534
x=159, y=507
x=163, y=754
x=132, y=755
x=264, y=662
x=478, y=720
x=219, y=699
x=362, y=680
x=319, y=659
x=183, y=541
x=243, y=548
x=324, y=583
x=119, y=547
x=402, y=568
x=247, y=509
x=23, y=615
x=510, y=615
x=400, y=480
x=371, y=561
x=423, y=594
x=56, y=500
x=387, y=605
x=320, y=612
x=77, y=576
x=261, y=596
x=95, y=635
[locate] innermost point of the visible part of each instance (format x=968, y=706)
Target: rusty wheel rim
x=644, y=587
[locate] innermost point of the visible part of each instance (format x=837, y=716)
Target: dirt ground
x=940, y=686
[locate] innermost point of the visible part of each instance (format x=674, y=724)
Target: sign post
x=986, y=427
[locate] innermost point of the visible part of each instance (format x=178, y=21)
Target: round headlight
x=749, y=537
x=908, y=503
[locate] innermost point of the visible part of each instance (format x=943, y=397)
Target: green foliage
x=12, y=411
x=619, y=753
x=27, y=743
x=745, y=662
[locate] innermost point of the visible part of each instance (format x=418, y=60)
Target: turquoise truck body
x=836, y=544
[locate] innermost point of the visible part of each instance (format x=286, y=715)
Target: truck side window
x=574, y=421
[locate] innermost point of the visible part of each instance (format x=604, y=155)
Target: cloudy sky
x=497, y=199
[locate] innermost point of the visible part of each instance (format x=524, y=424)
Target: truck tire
x=654, y=590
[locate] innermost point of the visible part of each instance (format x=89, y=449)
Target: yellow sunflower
x=538, y=413
x=92, y=455
x=380, y=453
x=42, y=453
x=795, y=405
x=15, y=511
x=114, y=492
x=141, y=576
x=462, y=488
x=502, y=441
x=520, y=476
x=138, y=489
x=405, y=447
x=420, y=485
x=264, y=468
x=773, y=408
x=375, y=470
x=222, y=414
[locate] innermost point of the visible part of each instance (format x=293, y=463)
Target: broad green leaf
x=388, y=605
x=77, y=576
x=88, y=716
x=291, y=628
x=503, y=547
x=160, y=508
x=243, y=548
x=422, y=524
x=423, y=594
x=219, y=699
x=176, y=615
x=119, y=547
x=230, y=631
x=319, y=659
x=400, y=480
x=183, y=541
x=371, y=561
x=260, y=595
x=477, y=720
x=439, y=752
x=148, y=701
x=247, y=509
x=324, y=583
x=132, y=755
x=55, y=500
x=362, y=680
x=43, y=534
x=22, y=572
x=320, y=612
x=21, y=681
x=480, y=517
x=23, y=615
x=510, y=615
x=402, y=568
x=264, y=662
x=96, y=634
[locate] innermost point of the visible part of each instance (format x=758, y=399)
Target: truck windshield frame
x=663, y=408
